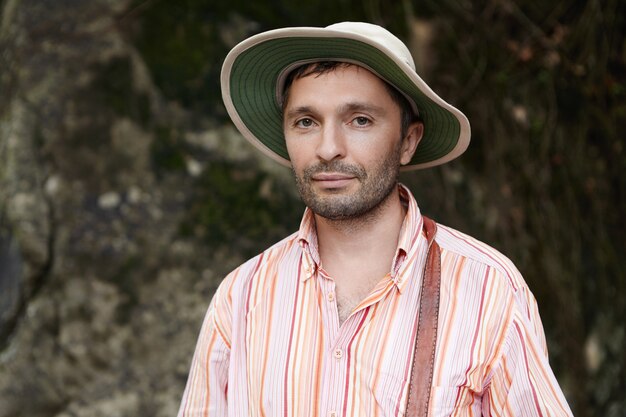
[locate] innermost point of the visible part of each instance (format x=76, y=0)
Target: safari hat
x=254, y=73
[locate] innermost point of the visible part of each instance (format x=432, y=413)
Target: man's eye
x=361, y=121
x=306, y=122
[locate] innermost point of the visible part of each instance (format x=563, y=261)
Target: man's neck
x=373, y=236
x=358, y=253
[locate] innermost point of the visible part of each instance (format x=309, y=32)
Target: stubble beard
x=375, y=189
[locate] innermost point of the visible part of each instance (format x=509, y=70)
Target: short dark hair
x=407, y=116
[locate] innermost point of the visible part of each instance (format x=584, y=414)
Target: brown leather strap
x=426, y=339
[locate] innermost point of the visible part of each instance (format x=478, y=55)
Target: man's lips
x=332, y=180
x=324, y=176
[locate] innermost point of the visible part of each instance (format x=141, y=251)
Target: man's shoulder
x=466, y=246
x=246, y=285
x=283, y=251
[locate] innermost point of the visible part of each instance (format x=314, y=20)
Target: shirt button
x=338, y=353
x=331, y=296
x=332, y=414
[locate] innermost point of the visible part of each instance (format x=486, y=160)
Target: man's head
x=347, y=134
x=255, y=71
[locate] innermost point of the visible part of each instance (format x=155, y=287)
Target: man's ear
x=410, y=141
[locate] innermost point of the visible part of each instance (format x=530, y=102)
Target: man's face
x=343, y=134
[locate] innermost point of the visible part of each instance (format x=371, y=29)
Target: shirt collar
x=307, y=239
x=410, y=233
x=410, y=236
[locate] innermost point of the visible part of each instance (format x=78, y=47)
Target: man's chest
x=296, y=345
x=297, y=356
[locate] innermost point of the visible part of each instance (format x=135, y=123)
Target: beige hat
x=254, y=72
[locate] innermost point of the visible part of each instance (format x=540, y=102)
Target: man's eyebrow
x=364, y=107
x=298, y=111
x=348, y=107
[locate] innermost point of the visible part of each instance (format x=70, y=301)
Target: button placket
x=309, y=269
x=328, y=303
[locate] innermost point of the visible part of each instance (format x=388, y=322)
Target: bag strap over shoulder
x=426, y=339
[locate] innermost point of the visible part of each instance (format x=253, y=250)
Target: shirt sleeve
x=207, y=385
x=522, y=383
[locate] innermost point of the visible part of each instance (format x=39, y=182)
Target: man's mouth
x=332, y=179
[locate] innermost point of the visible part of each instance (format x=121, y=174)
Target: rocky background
x=126, y=194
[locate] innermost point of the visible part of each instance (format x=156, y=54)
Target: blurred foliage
x=167, y=150
x=235, y=205
x=544, y=86
x=114, y=87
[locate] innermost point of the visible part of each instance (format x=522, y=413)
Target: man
x=370, y=309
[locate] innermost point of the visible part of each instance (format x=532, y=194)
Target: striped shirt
x=271, y=343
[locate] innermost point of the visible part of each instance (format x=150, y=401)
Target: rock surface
x=104, y=277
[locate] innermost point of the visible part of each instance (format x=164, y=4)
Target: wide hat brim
x=253, y=72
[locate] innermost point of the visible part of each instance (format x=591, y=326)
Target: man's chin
x=329, y=208
x=335, y=208
x=343, y=205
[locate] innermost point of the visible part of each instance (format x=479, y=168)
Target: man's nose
x=332, y=143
